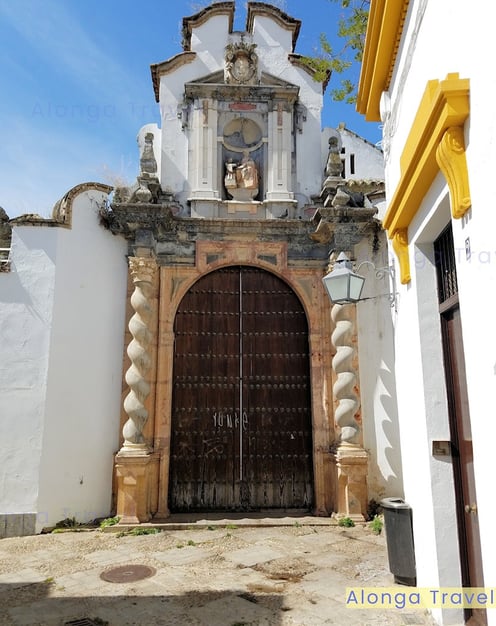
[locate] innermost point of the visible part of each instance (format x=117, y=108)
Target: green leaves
x=351, y=27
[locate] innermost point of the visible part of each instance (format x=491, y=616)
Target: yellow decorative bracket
x=400, y=246
x=450, y=156
x=435, y=143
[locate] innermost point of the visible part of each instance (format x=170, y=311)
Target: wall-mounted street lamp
x=344, y=286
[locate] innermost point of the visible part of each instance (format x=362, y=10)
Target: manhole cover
x=127, y=573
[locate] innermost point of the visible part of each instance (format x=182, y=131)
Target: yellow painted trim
x=384, y=30
x=400, y=246
x=435, y=142
x=450, y=156
x=445, y=104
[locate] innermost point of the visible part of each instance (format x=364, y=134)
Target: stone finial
x=146, y=189
x=148, y=164
x=334, y=166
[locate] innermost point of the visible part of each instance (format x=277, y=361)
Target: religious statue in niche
x=242, y=140
x=241, y=64
x=241, y=179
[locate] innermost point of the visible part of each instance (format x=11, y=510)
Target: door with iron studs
x=241, y=416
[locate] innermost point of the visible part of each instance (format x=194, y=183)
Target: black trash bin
x=399, y=537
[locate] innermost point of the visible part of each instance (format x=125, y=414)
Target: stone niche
x=241, y=137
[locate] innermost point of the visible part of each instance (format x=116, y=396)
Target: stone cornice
x=266, y=10
x=33, y=219
x=243, y=93
x=166, y=67
x=435, y=143
x=62, y=210
x=384, y=31
x=345, y=226
x=171, y=238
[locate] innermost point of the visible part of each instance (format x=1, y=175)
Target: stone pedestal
x=133, y=487
x=350, y=470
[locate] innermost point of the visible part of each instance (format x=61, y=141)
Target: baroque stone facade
x=232, y=361
x=250, y=196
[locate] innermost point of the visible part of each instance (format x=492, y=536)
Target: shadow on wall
x=12, y=291
x=391, y=430
x=378, y=388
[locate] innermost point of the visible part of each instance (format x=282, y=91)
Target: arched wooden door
x=241, y=415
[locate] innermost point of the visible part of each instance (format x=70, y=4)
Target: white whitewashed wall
x=61, y=331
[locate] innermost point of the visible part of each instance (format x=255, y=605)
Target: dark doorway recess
x=460, y=426
x=241, y=413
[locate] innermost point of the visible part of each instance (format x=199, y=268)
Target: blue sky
x=76, y=88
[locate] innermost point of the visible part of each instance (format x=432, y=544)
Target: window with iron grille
x=444, y=252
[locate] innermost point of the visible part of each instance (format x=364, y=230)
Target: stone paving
x=217, y=573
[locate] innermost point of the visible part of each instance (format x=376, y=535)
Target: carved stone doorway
x=241, y=423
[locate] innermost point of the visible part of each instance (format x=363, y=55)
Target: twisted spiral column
x=142, y=271
x=342, y=364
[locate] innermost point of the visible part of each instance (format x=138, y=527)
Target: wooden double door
x=241, y=436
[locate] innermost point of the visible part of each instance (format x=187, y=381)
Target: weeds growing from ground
x=376, y=525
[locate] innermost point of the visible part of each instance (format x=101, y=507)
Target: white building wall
x=274, y=44
x=26, y=304
x=85, y=369
x=461, y=40
x=174, y=144
x=208, y=41
x=379, y=410
x=62, y=325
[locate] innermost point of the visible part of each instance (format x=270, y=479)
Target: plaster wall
x=274, y=44
x=206, y=42
x=429, y=486
x=379, y=411
x=62, y=331
x=462, y=40
x=174, y=144
x=438, y=40
x=410, y=389
x=209, y=48
x=26, y=297
x=81, y=430
x=269, y=34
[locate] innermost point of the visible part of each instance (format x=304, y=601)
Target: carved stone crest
x=241, y=64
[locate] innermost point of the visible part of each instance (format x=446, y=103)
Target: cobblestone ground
x=226, y=575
